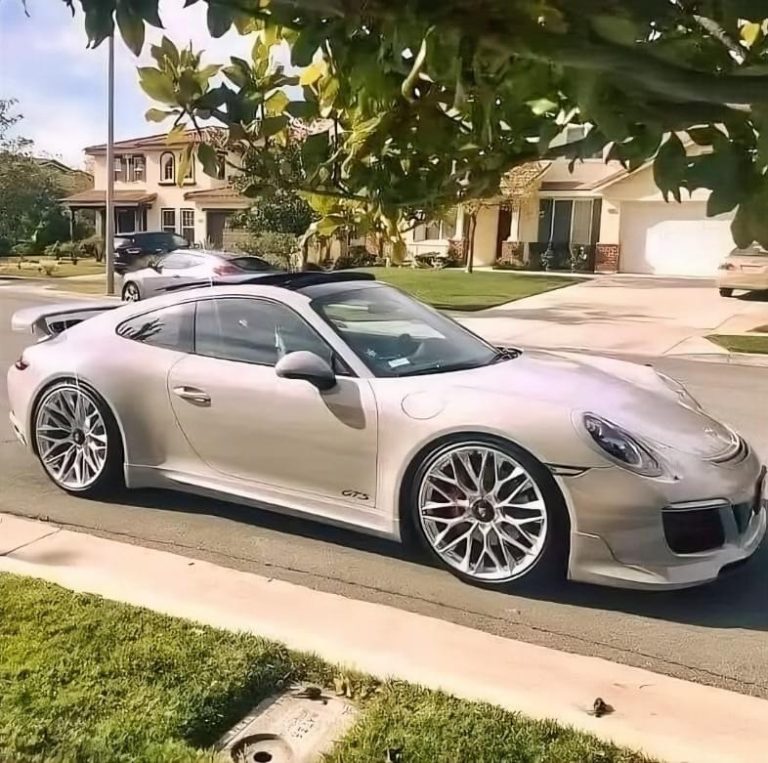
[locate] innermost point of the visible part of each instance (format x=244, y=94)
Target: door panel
x=279, y=432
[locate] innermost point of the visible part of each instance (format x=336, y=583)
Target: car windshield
x=251, y=264
x=394, y=335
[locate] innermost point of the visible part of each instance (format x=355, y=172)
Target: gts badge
x=355, y=494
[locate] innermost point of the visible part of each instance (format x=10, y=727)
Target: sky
x=61, y=86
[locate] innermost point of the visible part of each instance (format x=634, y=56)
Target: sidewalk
x=667, y=718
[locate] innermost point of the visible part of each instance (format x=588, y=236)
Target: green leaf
x=304, y=47
x=209, y=159
x=209, y=71
x=157, y=115
x=272, y=125
x=220, y=18
x=314, y=150
x=185, y=157
x=329, y=224
x=302, y=110
x=170, y=50
x=236, y=75
x=750, y=32
x=157, y=85
x=312, y=73
x=669, y=167
x=706, y=136
x=542, y=106
x=276, y=103
x=131, y=28
x=617, y=29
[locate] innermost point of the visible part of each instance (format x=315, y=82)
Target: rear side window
x=251, y=264
x=170, y=327
x=253, y=331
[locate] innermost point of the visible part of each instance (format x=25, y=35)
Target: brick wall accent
x=458, y=248
x=512, y=252
x=607, y=258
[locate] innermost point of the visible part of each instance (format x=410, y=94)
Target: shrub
x=279, y=249
x=356, y=257
x=93, y=246
x=24, y=249
x=70, y=250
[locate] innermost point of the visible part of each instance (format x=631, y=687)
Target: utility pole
x=109, y=234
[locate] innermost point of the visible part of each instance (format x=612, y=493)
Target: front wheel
x=77, y=440
x=491, y=514
x=131, y=292
x=726, y=292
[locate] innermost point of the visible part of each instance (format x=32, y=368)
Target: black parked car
x=135, y=250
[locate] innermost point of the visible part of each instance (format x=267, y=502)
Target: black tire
x=111, y=480
x=131, y=288
x=550, y=567
x=726, y=292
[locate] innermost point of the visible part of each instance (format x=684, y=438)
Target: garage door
x=672, y=239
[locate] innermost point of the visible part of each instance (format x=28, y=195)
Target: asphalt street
x=716, y=635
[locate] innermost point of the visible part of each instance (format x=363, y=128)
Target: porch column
x=514, y=223
x=459, y=233
x=71, y=223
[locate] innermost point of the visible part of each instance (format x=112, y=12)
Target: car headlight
x=685, y=397
x=622, y=447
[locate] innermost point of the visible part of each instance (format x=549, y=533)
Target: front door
x=125, y=220
x=246, y=422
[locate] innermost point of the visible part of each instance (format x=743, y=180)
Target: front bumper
x=620, y=538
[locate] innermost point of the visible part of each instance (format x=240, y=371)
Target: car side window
x=176, y=262
x=253, y=331
x=170, y=327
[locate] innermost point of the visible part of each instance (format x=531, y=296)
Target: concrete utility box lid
x=295, y=726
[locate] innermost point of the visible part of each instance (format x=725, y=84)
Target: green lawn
x=36, y=267
x=741, y=343
x=457, y=290
x=85, y=679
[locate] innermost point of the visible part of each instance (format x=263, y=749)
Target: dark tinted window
x=251, y=264
x=253, y=331
x=169, y=327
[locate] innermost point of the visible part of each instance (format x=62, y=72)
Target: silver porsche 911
x=340, y=398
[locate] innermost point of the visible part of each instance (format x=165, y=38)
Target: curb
x=665, y=717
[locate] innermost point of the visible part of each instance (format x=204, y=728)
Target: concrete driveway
x=624, y=314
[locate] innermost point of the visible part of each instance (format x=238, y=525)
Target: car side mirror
x=156, y=265
x=308, y=367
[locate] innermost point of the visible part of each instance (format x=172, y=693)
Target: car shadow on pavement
x=739, y=599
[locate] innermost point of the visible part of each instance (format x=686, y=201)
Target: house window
x=167, y=168
x=138, y=166
x=188, y=225
x=569, y=221
x=168, y=220
x=443, y=228
x=129, y=168
x=189, y=177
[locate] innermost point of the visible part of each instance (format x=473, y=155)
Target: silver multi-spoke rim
x=483, y=513
x=71, y=437
x=131, y=293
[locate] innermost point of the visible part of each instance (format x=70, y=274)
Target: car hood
x=628, y=394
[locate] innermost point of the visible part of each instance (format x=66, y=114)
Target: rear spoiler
x=49, y=320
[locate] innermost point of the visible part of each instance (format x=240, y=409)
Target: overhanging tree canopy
x=431, y=103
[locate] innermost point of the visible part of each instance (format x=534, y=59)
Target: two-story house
x=147, y=193
x=619, y=220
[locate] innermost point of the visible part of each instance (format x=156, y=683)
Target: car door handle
x=193, y=394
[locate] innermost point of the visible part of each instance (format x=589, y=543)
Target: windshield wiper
x=442, y=369
x=505, y=353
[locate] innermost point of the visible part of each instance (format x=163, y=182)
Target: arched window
x=167, y=167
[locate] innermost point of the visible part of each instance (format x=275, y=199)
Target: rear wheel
x=726, y=292
x=490, y=513
x=77, y=440
x=131, y=292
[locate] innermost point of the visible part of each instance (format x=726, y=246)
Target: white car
x=334, y=396
x=186, y=266
x=745, y=269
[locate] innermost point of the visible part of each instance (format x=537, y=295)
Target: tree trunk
x=471, y=242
